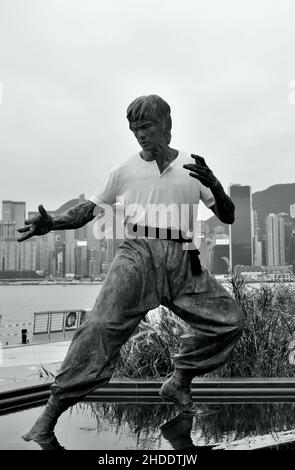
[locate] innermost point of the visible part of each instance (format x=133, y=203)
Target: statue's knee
x=97, y=324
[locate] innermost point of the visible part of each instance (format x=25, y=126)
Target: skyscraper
x=94, y=263
x=81, y=257
x=14, y=211
x=275, y=226
x=220, y=256
x=257, y=241
x=241, y=231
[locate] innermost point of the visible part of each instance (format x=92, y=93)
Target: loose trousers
x=144, y=274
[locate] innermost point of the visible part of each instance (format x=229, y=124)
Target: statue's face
x=148, y=134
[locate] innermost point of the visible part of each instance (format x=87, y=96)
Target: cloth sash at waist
x=143, y=231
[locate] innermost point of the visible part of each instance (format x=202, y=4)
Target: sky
x=70, y=68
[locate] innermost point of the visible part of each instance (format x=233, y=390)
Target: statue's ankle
x=183, y=377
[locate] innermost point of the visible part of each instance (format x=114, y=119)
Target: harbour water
x=19, y=302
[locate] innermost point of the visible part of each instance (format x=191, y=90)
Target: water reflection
x=50, y=444
x=177, y=432
x=208, y=426
x=147, y=426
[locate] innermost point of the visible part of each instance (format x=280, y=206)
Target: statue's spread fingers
x=199, y=160
x=195, y=175
x=28, y=221
x=23, y=229
x=42, y=211
x=190, y=166
x=26, y=237
x=196, y=169
x=198, y=157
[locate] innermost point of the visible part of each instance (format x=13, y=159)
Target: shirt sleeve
x=107, y=191
x=206, y=196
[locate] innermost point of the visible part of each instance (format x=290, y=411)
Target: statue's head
x=151, y=108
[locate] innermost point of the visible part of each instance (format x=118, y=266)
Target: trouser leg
x=215, y=323
x=95, y=348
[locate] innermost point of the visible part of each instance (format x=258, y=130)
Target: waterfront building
x=277, y=234
x=7, y=230
x=220, y=257
x=14, y=211
x=81, y=258
x=266, y=273
x=241, y=231
x=81, y=233
x=70, y=245
x=94, y=263
x=27, y=255
x=9, y=255
x=59, y=257
x=257, y=240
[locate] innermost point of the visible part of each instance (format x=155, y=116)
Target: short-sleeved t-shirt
x=167, y=199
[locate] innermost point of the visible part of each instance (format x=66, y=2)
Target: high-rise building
x=81, y=233
x=220, y=256
x=59, y=257
x=81, y=258
x=93, y=243
x=14, y=211
x=292, y=211
x=94, y=263
x=42, y=254
x=10, y=255
x=275, y=234
x=2, y=255
x=15, y=256
x=70, y=244
x=7, y=230
x=28, y=255
x=257, y=240
x=241, y=231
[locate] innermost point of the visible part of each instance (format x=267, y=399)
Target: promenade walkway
x=21, y=363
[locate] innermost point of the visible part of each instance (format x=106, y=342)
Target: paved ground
x=25, y=362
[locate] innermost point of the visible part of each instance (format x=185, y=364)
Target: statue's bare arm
x=76, y=217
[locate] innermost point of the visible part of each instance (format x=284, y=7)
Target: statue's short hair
x=153, y=108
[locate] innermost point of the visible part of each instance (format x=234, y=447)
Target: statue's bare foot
x=39, y=432
x=179, y=394
x=43, y=430
x=46, y=440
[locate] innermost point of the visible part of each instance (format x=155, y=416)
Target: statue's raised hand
x=201, y=171
x=39, y=225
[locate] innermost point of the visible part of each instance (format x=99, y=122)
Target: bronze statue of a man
x=147, y=270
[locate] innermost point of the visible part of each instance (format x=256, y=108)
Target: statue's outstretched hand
x=38, y=225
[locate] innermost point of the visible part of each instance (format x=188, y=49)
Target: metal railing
x=62, y=323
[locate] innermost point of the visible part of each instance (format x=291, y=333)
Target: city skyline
x=204, y=213
x=82, y=253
